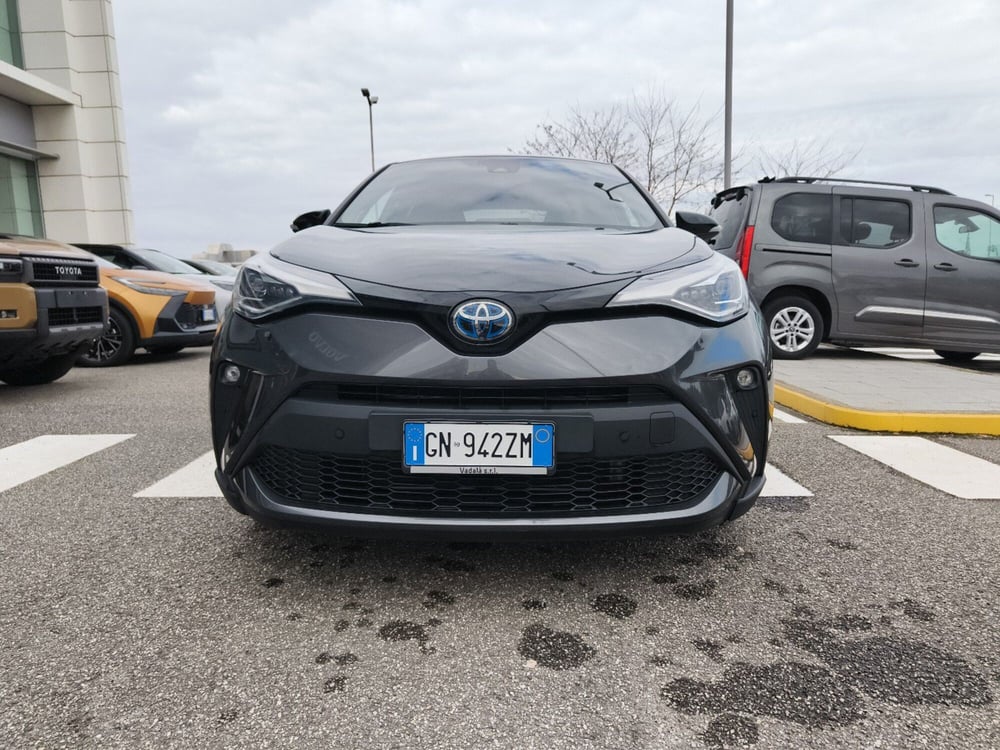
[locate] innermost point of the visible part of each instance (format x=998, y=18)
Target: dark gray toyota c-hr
x=491, y=345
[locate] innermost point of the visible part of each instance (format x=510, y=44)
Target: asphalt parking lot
x=859, y=610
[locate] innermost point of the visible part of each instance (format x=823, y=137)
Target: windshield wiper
x=355, y=225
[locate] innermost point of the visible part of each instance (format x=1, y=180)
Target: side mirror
x=310, y=219
x=699, y=225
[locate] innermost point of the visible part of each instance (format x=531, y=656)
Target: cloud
x=242, y=119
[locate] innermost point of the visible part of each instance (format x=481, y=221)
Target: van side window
x=874, y=222
x=803, y=217
x=967, y=231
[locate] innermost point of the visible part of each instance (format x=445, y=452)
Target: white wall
x=85, y=192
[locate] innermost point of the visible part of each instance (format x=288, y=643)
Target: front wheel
x=40, y=372
x=949, y=356
x=794, y=326
x=115, y=346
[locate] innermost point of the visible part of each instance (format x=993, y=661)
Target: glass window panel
x=10, y=34
x=874, y=222
x=804, y=217
x=967, y=231
x=20, y=207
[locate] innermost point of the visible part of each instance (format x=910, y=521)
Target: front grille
x=189, y=316
x=71, y=316
x=579, y=487
x=67, y=272
x=476, y=397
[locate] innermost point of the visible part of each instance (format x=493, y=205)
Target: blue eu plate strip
x=414, y=444
x=542, y=440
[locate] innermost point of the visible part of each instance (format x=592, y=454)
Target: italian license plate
x=208, y=314
x=478, y=448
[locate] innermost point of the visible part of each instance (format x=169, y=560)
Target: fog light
x=746, y=379
x=231, y=374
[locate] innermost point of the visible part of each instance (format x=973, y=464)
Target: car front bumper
x=652, y=432
x=62, y=321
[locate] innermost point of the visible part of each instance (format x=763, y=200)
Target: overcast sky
x=240, y=114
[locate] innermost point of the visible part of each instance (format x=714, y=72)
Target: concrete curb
x=886, y=421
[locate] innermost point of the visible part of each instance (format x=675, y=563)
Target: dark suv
x=866, y=263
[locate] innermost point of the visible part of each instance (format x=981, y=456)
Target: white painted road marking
x=778, y=484
x=919, y=354
x=197, y=479
x=31, y=459
x=783, y=416
x=947, y=469
x=941, y=467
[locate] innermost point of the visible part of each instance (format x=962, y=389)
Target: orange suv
x=157, y=311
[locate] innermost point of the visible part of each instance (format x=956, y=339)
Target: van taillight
x=743, y=254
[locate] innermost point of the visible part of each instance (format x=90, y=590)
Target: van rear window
x=730, y=214
x=804, y=217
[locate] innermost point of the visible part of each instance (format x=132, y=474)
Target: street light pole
x=371, y=128
x=991, y=197
x=728, y=149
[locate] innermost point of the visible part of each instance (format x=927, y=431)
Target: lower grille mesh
x=69, y=316
x=377, y=484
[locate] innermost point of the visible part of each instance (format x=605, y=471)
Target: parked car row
x=91, y=305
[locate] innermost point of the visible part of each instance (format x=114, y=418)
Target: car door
x=879, y=264
x=963, y=280
x=791, y=242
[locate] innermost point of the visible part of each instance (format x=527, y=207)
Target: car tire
x=40, y=373
x=794, y=327
x=949, y=356
x=116, y=346
x=163, y=350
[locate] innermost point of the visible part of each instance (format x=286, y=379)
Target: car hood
x=489, y=259
x=170, y=281
x=17, y=245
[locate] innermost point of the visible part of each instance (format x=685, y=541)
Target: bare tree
x=600, y=134
x=674, y=152
x=812, y=157
x=670, y=150
x=680, y=153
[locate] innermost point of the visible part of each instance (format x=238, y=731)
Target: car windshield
x=105, y=263
x=214, y=267
x=501, y=190
x=162, y=262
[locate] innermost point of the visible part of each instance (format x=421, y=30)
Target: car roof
x=545, y=157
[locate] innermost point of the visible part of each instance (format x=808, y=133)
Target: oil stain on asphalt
x=889, y=667
x=791, y=691
x=731, y=730
x=554, y=649
x=404, y=630
x=859, y=662
x=614, y=605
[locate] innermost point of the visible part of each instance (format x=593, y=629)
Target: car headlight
x=712, y=289
x=146, y=288
x=266, y=285
x=225, y=284
x=11, y=269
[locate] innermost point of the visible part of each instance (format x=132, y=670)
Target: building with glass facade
x=63, y=167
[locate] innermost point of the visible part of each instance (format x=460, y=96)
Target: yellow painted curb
x=886, y=421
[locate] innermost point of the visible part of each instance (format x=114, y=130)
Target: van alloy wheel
x=794, y=327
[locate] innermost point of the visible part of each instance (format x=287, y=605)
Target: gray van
x=862, y=263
